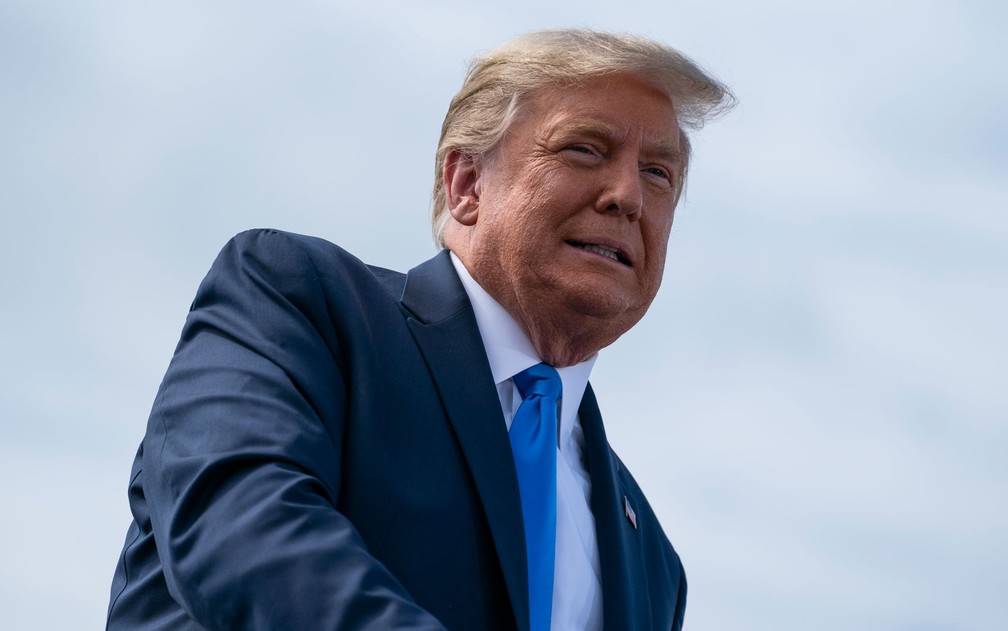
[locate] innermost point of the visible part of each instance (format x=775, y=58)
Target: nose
x=622, y=193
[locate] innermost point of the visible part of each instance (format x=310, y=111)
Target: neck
x=562, y=341
x=562, y=334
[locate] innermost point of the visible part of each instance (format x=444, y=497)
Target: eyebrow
x=665, y=151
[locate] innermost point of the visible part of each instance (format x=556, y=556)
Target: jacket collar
x=441, y=320
x=625, y=603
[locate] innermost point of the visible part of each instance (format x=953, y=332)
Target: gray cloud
x=814, y=404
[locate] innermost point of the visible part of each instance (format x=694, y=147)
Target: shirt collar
x=510, y=350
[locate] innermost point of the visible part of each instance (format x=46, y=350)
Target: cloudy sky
x=815, y=404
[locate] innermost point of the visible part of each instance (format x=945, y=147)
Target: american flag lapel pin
x=630, y=514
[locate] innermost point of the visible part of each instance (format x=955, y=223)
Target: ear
x=462, y=186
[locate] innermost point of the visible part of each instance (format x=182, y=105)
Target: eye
x=660, y=173
x=587, y=150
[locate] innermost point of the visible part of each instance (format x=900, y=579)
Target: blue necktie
x=534, y=445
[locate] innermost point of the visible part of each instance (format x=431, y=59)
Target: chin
x=607, y=306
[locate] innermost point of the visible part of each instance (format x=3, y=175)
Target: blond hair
x=483, y=110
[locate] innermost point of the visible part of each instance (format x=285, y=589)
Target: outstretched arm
x=242, y=459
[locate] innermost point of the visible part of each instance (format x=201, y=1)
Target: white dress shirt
x=577, y=579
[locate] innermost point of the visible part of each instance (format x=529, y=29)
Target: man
x=341, y=446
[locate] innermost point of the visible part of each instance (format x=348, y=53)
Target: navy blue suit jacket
x=326, y=451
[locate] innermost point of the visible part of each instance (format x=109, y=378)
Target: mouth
x=610, y=253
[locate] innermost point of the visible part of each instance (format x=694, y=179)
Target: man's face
x=575, y=205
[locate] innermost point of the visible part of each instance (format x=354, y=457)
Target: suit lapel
x=445, y=329
x=624, y=579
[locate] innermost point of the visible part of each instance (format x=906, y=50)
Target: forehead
x=615, y=105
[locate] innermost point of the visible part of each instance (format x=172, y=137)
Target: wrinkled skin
x=589, y=166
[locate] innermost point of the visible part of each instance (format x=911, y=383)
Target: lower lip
x=600, y=256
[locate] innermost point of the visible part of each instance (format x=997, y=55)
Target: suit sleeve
x=680, y=611
x=243, y=456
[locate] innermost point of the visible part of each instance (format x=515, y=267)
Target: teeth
x=598, y=249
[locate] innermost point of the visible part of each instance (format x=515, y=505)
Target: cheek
x=527, y=218
x=665, y=216
x=656, y=236
x=656, y=242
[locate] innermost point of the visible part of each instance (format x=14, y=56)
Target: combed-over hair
x=496, y=84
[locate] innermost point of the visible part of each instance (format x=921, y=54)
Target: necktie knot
x=539, y=380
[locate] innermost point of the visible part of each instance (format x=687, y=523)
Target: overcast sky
x=815, y=405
